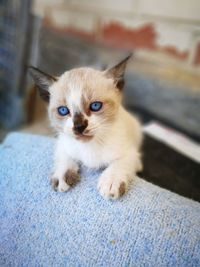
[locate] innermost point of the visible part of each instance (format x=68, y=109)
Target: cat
x=93, y=128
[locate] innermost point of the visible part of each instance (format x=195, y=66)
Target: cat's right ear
x=43, y=81
x=117, y=72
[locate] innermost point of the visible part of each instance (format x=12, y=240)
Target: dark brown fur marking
x=54, y=183
x=79, y=119
x=120, y=84
x=122, y=189
x=71, y=177
x=79, y=123
x=117, y=72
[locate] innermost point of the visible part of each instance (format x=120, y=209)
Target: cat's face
x=83, y=102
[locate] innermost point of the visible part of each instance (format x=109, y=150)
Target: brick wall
x=154, y=27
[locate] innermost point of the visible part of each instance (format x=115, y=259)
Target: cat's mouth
x=83, y=137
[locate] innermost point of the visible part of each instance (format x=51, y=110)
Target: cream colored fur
x=115, y=144
x=112, y=138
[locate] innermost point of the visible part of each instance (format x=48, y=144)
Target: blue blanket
x=149, y=226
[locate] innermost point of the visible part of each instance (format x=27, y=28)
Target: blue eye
x=63, y=111
x=96, y=106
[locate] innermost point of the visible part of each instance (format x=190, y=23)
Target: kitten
x=93, y=128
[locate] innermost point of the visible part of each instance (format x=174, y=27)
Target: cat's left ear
x=117, y=72
x=43, y=81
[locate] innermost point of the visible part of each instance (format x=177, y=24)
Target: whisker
x=99, y=125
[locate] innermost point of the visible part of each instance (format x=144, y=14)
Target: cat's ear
x=43, y=81
x=117, y=72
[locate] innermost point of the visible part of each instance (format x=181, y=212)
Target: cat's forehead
x=81, y=81
x=83, y=74
x=83, y=78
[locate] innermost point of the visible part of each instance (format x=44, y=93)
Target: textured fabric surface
x=149, y=226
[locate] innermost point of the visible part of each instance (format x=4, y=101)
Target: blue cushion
x=149, y=226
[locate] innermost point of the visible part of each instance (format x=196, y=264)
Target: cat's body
x=96, y=131
x=123, y=135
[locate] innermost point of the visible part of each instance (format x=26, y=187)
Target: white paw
x=112, y=188
x=59, y=185
x=63, y=186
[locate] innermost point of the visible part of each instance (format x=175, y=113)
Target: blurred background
x=163, y=78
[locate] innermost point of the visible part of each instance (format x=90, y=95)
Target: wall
x=165, y=30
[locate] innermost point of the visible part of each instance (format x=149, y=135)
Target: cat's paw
x=111, y=188
x=54, y=183
x=70, y=179
x=59, y=185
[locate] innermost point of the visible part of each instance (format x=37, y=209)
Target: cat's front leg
x=66, y=171
x=115, y=179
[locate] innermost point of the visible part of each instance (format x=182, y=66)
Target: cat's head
x=83, y=102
